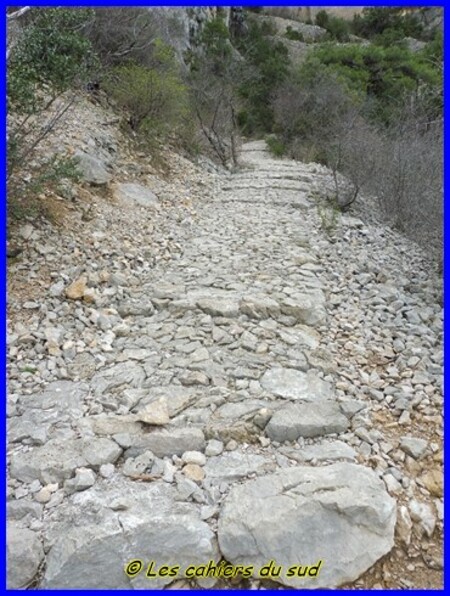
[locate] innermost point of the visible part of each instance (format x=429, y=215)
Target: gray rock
x=24, y=556
x=120, y=376
x=141, y=464
x=423, y=515
x=414, y=446
x=306, y=309
x=330, y=451
x=18, y=509
x=58, y=459
x=83, y=366
x=219, y=307
x=156, y=413
x=93, y=169
x=294, y=384
x=321, y=417
x=162, y=443
x=340, y=514
x=129, y=193
x=84, y=479
x=258, y=306
x=233, y=465
x=213, y=447
x=194, y=457
x=92, y=549
x=136, y=309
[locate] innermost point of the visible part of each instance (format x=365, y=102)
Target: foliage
x=268, y=66
x=275, y=145
x=383, y=76
x=155, y=98
x=51, y=56
x=375, y=21
x=214, y=77
x=52, y=174
x=49, y=60
x=122, y=34
x=293, y=34
x=336, y=27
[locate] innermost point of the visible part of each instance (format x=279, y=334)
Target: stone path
x=262, y=396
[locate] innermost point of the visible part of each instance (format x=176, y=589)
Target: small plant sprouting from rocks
x=328, y=211
x=275, y=145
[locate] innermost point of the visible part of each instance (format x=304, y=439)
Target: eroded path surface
x=267, y=393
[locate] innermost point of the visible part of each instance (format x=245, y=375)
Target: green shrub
x=293, y=34
x=267, y=66
x=375, y=21
x=155, y=98
x=51, y=56
x=275, y=145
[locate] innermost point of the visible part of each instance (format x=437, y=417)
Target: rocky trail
x=197, y=373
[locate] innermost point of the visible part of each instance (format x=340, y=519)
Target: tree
x=49, y=57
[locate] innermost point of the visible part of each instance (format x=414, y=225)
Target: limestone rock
x=318, y=418
x=24, y=554
x=77, y=289
x=93, y=549
x=413, y=446
x=57, y=460
x=194, y=472
x=92, y=168
x=433, y=481
x=129, y=193
x=294, y=384
x=340, y=514
x=156, y=412
x=167, y=442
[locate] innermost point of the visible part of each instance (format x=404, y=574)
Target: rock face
x=340, y=514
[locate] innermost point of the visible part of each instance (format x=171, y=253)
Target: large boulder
x=25, y=554
x=93, y=169
x=106, y=531
x=339, y=514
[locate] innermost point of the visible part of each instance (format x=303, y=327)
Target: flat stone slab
x=104, y=528
x=57, y=460
x=129, y=194
x=322, y=452
x=339, y=514
x=235, y=465
x=310, y=419
x=290, y=383
x=166, y=442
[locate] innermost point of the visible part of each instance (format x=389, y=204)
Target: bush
x=275, y=145
x=375, y=21
x=48, y=62
x=50, y=57
x=293, y=34
x=155, y=98
x=336, y=27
